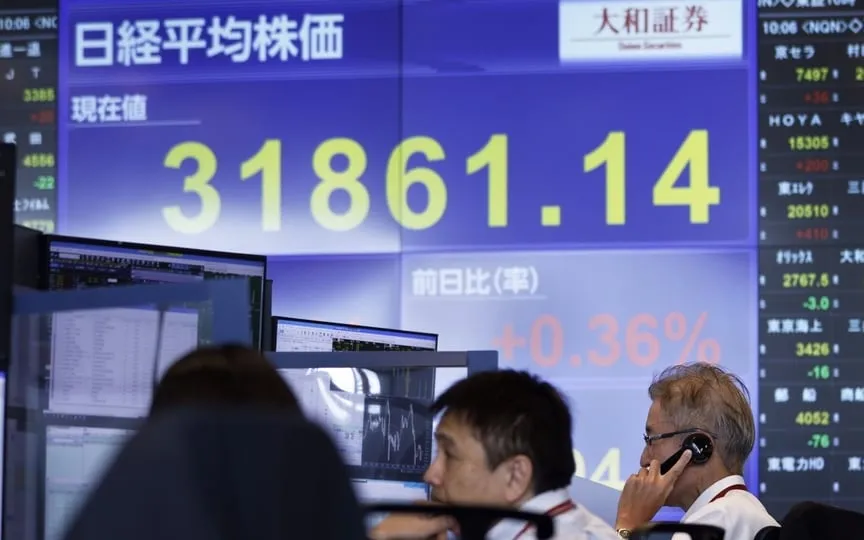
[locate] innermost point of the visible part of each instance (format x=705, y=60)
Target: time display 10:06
x=491, y=160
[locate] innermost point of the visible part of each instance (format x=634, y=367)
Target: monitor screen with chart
x=380, y=420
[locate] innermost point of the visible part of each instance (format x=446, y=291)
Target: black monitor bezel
x=8, y=175
x=276, y=319
x=4, y=452
x=48, y=239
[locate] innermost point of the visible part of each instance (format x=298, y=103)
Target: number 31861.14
x=492, y=158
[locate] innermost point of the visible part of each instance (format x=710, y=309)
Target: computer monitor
x=301, y=335
x=376, y=406
x=74, y=263
x=103, y=367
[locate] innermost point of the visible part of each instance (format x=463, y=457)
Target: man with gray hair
x=699, y=433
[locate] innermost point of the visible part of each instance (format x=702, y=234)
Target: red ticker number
x=641, y=339
x=546, y=325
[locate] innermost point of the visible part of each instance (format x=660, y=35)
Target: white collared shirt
x=574, y=524
x=738, y=512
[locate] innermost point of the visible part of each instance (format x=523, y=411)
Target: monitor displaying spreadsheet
x=106, y=362
x=300, y=335
x=75, y=459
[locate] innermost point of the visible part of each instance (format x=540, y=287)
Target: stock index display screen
x=595, y=189
x=407, y=170
x=28, y=96
x=811, y=261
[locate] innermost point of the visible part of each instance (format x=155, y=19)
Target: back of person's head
x=223, y=474
x=515, y=413
x=228, y=375
x=709, y=397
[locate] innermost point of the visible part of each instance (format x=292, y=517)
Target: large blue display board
x=572, y=183
x=334, y=127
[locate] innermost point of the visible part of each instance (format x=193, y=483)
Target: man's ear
x=520, y=477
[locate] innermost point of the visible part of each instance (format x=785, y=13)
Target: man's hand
x=412, y=527
x=646, y=492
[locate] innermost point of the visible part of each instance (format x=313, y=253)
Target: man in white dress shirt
x=706, y=400
x=504, y=440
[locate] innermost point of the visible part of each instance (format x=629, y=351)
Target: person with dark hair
x=232, y=375
x=223, y=474
x=504, y=439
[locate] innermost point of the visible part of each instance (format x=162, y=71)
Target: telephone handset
x=700, y=446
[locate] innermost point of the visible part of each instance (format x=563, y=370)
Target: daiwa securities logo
x=650, y=30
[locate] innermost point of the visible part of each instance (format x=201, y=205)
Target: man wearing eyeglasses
x=699, y=433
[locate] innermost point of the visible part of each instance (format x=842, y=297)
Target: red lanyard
x=553, y=512
x=735, y=487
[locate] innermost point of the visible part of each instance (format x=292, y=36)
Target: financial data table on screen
x=294, y=335
x=811, y=261
x=75, y=459
x=106, y=362
x=103, y=367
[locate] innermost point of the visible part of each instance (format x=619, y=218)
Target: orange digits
x=643, y=348
x=609, y=337
x=537, y=352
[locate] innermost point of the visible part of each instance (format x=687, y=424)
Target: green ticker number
x=820, y=440
x=820, y=372
x=817, y=303
x=44, y=182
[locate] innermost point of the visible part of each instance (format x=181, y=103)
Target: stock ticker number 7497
x=491, y=159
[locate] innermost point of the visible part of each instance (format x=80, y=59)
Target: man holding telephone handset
x=699, y=433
